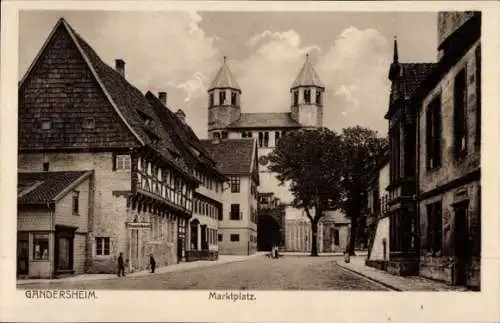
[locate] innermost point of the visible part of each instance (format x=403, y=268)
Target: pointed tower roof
x=224, y=78
x=307, y=76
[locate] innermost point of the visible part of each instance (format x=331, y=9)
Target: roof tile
x=265, y=120
x=233, y=156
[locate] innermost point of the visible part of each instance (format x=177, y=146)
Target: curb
x=131, y=275
x=392, y=288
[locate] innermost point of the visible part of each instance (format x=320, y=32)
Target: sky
x=180, y=53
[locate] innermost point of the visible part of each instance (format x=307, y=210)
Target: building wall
x=64, y=208
x=110, y=212
x=33, y=220
x=450, y=168
x=381, y=234
x=450, y=21
x=242, y=247
x=441, y=265
x=383, y=180
x=244, y=227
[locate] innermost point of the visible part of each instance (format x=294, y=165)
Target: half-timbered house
x=208, y=198
x=77, y=113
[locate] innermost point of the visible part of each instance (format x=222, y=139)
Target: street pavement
x=294, y=272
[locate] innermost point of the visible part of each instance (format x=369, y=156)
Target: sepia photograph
x=237, y=152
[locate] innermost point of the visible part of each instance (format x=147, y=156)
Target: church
x=278, y=220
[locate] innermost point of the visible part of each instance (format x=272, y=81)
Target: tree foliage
x=327, y=170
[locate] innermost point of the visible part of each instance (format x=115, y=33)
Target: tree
x=311, y=162
x=361, y=149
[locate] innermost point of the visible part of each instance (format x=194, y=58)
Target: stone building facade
x=78, y=114
x=449, y=123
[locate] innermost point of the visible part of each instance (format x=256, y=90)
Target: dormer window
x=149, y=123
x=88, y=123
x=295, y=97
x=307, y=96
x=46, y=125
x=318, y=97
x=217, y=135
x=233, y=98
x=222, y=97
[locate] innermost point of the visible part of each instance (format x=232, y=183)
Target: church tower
x=223, y=102
x=307, y=97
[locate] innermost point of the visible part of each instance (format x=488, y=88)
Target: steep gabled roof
x=265, y=120
x=224, y=79
x=186, y=139
x=127, y=101
x=233, y=156
x=307, y=76
x=413, y=74
x=47, y=187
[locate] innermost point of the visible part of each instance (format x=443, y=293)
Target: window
x=277, y=135
x=102, y=246
x=433, y=134
x=318, y=97
x=235, y=237
x=219, y=237
x=478, y=95
x=46, y=167
x=46, y=125
x=235, y=212
x=217, y=135
x=233, y=98
x=123, y=162
x=222, y=97
x=266, y=139
x=40, y=246
x=395, y=139
x=434, y=227
x=211, y=100
x=261, y=139
x=295, y=97
x=246, y=134
x=224, y=134
x=76, y=199
x=460, y=115
x=220, y=217
x=307, y=96
x=89, y=123
x=234, y=181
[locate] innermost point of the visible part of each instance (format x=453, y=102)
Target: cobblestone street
x=261, y=273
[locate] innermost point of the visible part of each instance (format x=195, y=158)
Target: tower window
x=295, y=97
x=318, y=97
x=211, y=100
x=233, y=98
x=222, y=97
x=307, y=96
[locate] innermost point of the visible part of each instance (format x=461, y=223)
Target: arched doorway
x=268, y=233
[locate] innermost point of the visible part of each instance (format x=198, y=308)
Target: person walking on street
x=152, y=263
x=121, y=265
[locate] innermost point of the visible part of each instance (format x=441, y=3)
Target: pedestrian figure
x=152, y=263
x=121, y=265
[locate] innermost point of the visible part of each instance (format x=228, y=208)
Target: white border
x=270, y=306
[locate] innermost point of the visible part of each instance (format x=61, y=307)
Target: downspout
x=51, y=252
x=417, y=189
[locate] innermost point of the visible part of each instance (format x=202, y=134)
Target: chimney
x=163, y=97
x=120, y=66
x=181, y=115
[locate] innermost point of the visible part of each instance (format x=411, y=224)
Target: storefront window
x=41, y=246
